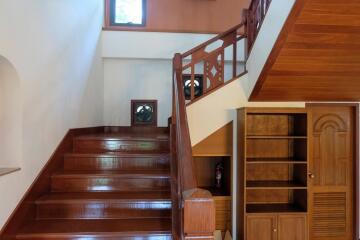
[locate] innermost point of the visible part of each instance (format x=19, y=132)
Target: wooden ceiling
x=317, y=55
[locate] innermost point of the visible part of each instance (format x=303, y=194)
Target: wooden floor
x=111, y=186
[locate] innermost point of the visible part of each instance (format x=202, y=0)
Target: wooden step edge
x=113, y=235
x=90, y=174
x=120, y=201
x=118, y=154
x=121, y=138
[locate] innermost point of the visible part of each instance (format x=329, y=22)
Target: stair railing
x=254, y=17
x=219, y=61
x=193, y=208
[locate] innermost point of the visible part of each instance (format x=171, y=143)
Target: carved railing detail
x=212, y=63
x=254, y=17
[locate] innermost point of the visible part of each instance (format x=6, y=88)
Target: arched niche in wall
x=10, y=116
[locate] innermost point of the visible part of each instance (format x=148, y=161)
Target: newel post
x=199, y=214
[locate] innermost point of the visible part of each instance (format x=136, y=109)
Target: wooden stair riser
x=104, y=210
x=113, y=236
x=84, y=145
x=106, y=162
x=109, y=184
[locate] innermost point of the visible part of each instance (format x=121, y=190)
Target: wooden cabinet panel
x=223, y=213
x=261, y=227
x=331, y=165
x=276, y=227
x=292, y=227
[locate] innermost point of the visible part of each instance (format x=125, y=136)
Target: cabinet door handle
x=274, y=230
x=311, y=175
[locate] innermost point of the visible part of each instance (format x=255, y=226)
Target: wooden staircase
x=111, y=186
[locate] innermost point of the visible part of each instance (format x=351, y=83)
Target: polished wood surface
x=316, y=57
x=219, y=143
x=211, y=56
x=26, y=209
x=188, y=16
x=261, y=227
x=331, y=176
x=217, y=149
x=276, y=226
x=292, y=227
x=272, y=169
x=96, y=229
x=149, y=143
x=81, y=161
x=112, y=195
x=195, y=216
x=199, y=214
x=254, y=17
x=223, y=213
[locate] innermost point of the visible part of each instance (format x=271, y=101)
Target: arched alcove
x=10, y=116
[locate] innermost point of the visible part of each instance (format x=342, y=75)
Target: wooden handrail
x=214, y=67
x=212, y=40
x=184, y=149
x=254, y=17
x=193, y=208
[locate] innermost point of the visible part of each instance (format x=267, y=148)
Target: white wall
x=10, y=115
x=127, y=79
x=138, y=65
x=54, y=46
x=274, y=21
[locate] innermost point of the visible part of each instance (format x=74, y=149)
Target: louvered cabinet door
x=331, y=178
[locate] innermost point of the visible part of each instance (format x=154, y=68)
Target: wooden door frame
x=356, y=109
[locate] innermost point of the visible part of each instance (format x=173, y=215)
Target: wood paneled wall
x=316, y=57
x=198, y=16
x=220, y=143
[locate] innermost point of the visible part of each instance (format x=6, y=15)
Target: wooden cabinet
x=297, y=166
x=276, y=227
x=272, y=165
x=223, y=213
x=261, y=227
x=292, y=227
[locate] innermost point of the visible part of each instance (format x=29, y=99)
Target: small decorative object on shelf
x=219, y=171
x=143, y=112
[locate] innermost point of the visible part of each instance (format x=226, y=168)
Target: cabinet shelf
x=274, y=160
x=276, y=137
x=217, y=192
x=274, y=208
x=274, y=185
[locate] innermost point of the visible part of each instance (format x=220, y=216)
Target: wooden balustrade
x=217, y=60
x=254, y=17
x=193, y=208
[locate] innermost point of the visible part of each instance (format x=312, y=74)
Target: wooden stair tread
x=117, y=154
x=125, y=136
x=105, y=196
x=113, y=174
x=105, y=227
